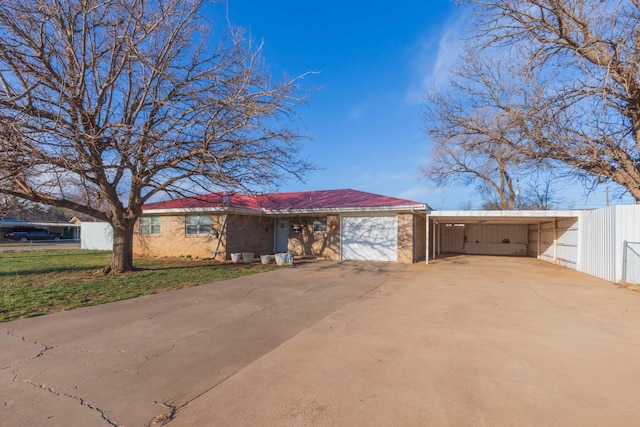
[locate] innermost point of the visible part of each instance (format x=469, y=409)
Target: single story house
x=332, y=224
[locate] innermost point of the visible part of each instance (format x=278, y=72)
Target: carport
x=548, y=235
x=70, y=229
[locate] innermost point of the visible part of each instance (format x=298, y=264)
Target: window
x=320, y=224
x=198, y=224
x=150, y=225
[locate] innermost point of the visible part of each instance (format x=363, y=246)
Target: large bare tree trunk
x=122, y=259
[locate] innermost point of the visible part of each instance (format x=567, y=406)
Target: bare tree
x=488, y=167
x=540, y=192
x=8, y=204
x=474, y=136
x=127, y=99
x=583, y=59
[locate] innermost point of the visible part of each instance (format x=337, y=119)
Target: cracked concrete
x=78, y=398
x=142, y=361
x=464, y=341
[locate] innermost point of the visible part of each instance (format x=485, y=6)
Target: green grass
x=33, y=283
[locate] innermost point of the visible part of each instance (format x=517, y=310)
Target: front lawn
x=41, y=282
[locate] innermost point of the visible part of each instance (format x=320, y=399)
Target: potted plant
x=265, y=259
x=247, y=257
x=235, y=257
x=281, y=258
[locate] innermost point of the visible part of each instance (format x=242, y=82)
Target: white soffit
x=500, y=217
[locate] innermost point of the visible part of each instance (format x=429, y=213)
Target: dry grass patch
x=42, y=282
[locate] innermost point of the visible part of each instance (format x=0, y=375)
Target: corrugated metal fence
x=96, y=236
x=602, y=249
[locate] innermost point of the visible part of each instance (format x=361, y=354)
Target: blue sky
x=374, y=62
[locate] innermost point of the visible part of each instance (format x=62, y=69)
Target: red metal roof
x=326, y=199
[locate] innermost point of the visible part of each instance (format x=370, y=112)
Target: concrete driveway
x=463, y=341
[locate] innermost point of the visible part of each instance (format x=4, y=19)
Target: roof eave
x=281, y=212
x=370, y=209
x=216, y=209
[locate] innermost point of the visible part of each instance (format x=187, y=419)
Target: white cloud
x=449, y=48
x=435, y=55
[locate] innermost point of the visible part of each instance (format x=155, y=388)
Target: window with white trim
x=198, y=224
x=150, y=225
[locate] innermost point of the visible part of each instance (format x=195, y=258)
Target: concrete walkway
x=463, y=341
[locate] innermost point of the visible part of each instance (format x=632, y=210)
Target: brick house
x=331, y=224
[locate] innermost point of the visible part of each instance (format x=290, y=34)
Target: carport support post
x=539, y=239
x=426, y=240
x=435, y=232
x=555, y=241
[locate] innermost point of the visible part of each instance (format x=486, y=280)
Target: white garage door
x=370, y=238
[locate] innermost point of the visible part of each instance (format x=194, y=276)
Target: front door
x=282, y=235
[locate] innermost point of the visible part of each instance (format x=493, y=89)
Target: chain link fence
x=631, y=262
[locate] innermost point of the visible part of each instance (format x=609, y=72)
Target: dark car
x=26, y=235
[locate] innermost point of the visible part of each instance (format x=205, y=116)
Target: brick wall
x=249, y=233
x=174, y=242
x=242, y=233
x=405, y=238
x=318, y=244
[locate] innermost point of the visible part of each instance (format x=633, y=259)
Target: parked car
x=36, y=234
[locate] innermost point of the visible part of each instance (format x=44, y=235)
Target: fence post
x=625, y=245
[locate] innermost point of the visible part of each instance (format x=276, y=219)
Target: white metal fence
x=97, y=236
x=603, y=233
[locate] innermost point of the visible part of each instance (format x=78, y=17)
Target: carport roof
x=500, y=217
x=40, y=224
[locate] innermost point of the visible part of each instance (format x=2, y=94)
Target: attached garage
x=371, y=238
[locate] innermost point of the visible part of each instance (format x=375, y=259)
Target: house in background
x=331, y=224
x=36, y=218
